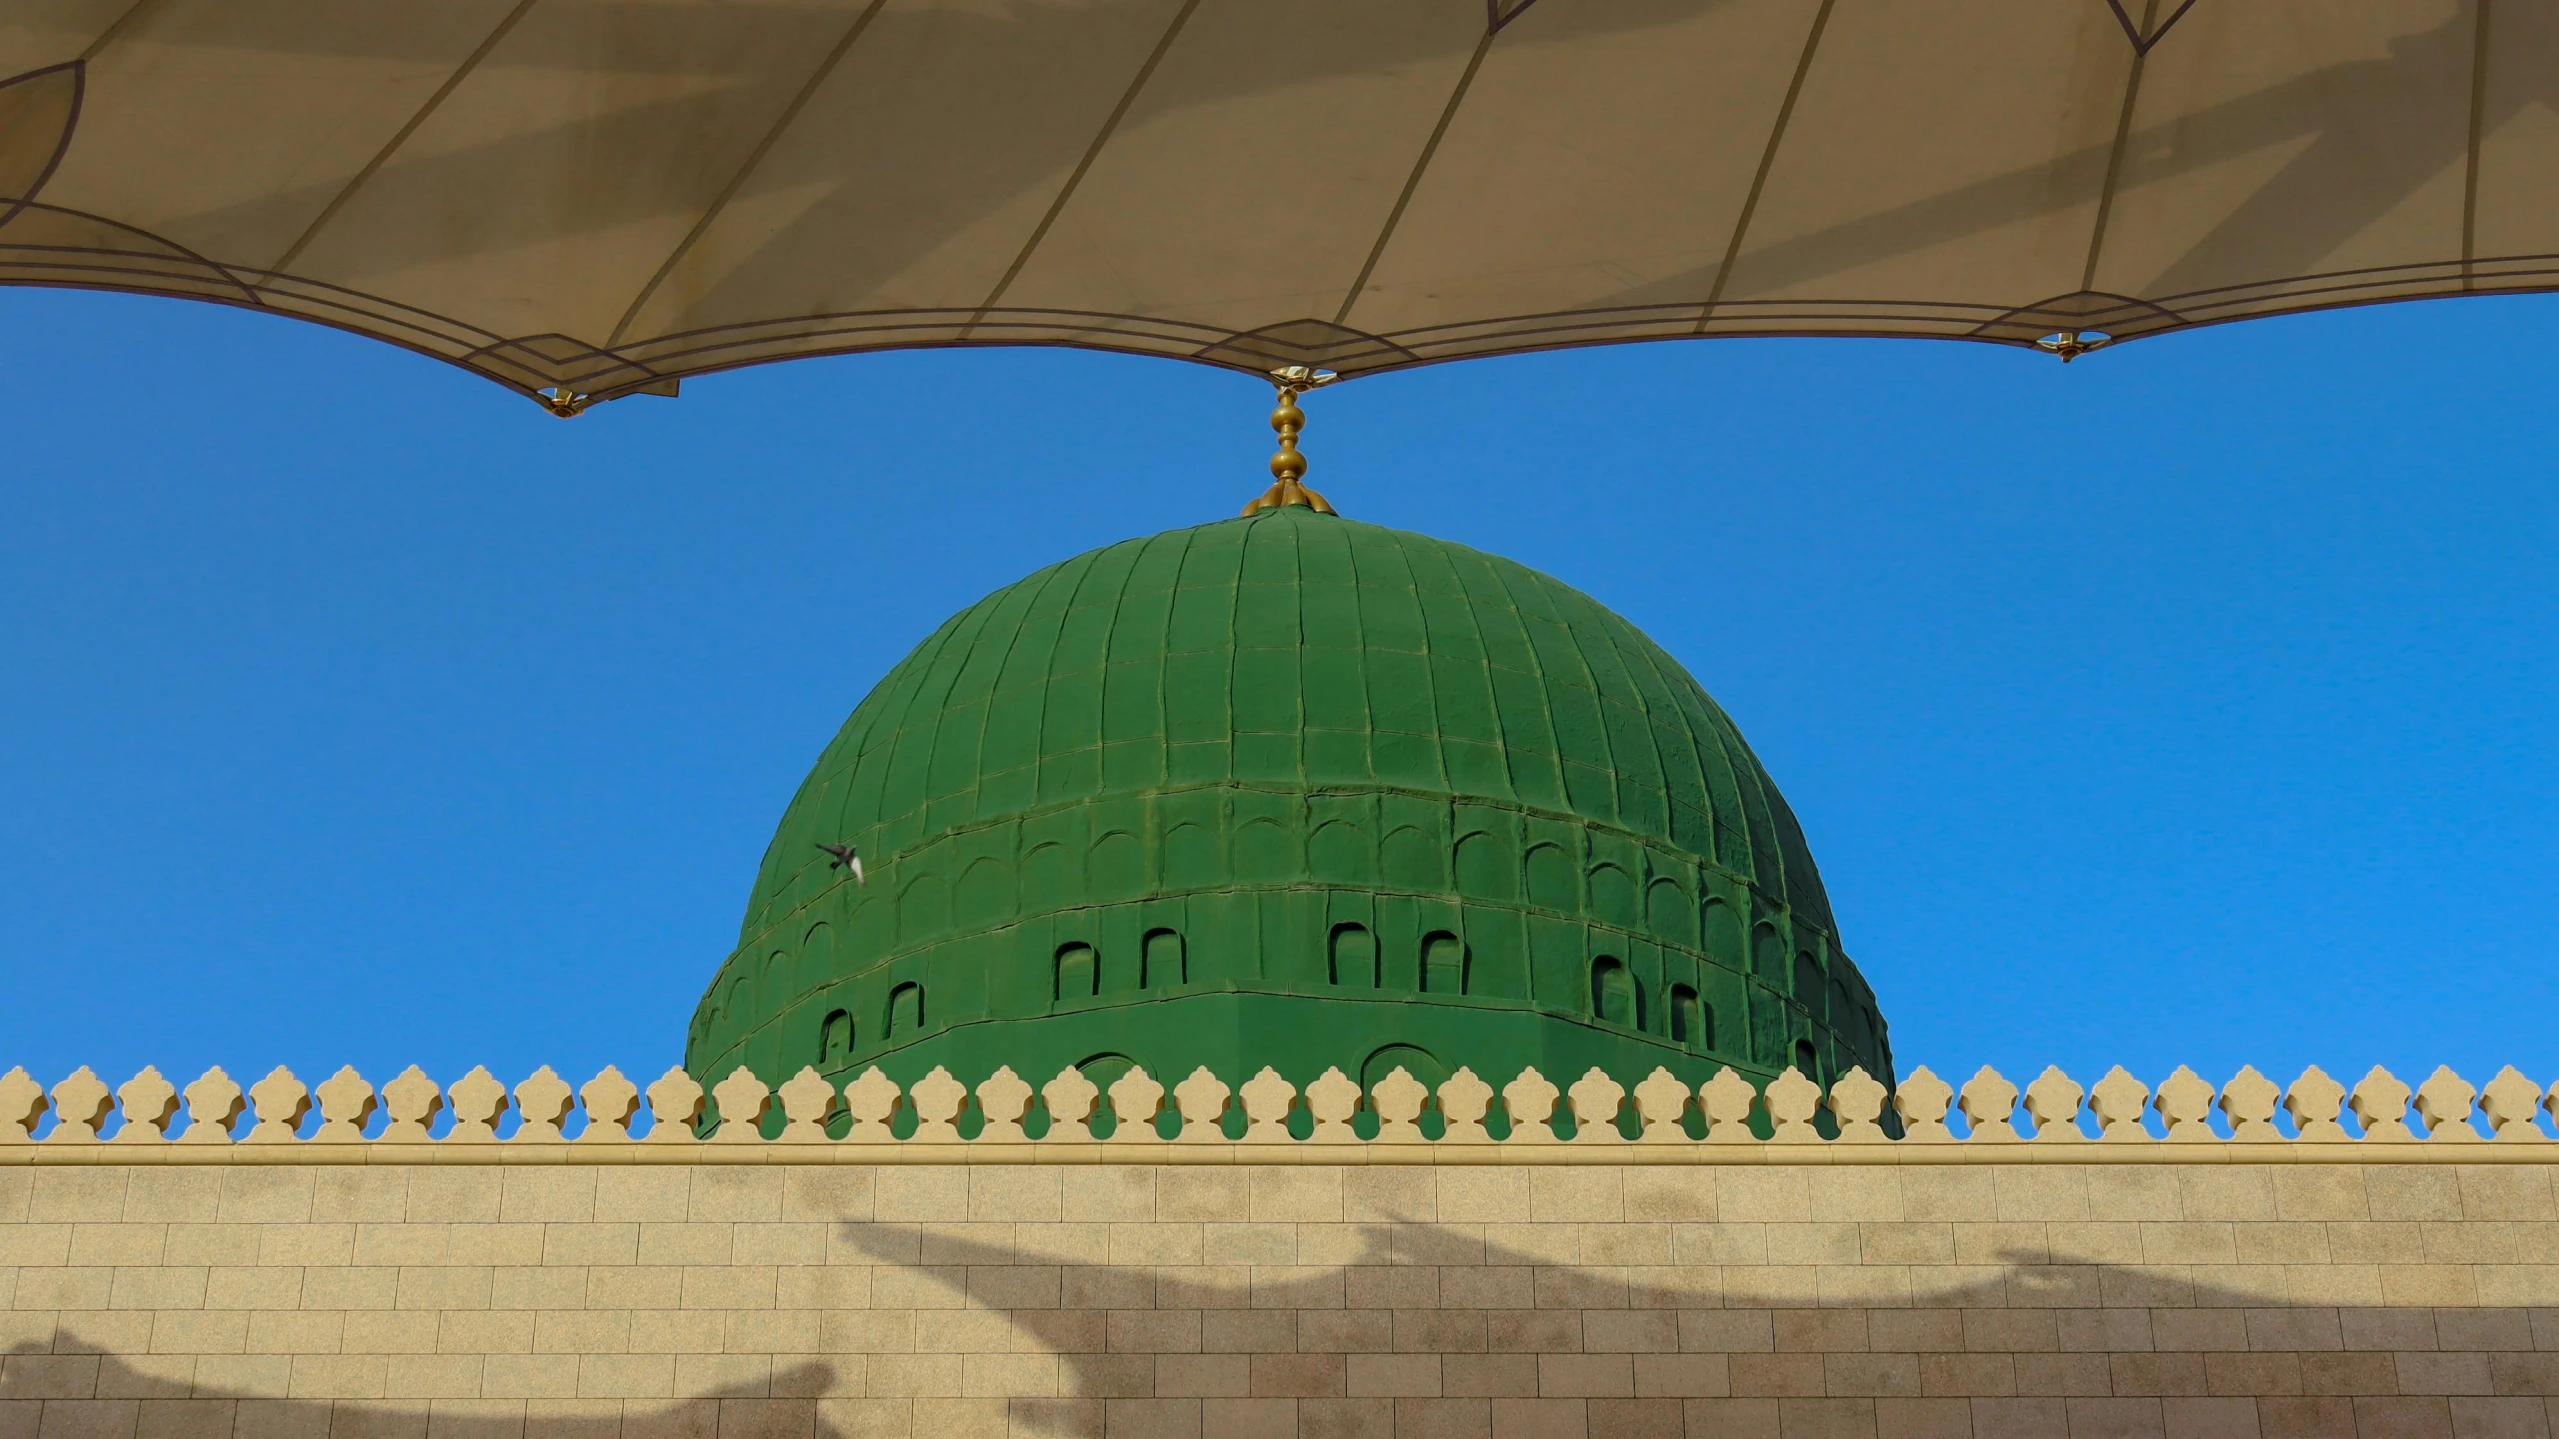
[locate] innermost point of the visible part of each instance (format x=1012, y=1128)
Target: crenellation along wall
x=487, y=1280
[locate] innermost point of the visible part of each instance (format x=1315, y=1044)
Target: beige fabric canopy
x=604, y=195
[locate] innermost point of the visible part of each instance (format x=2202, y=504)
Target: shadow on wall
x=1426, y=1329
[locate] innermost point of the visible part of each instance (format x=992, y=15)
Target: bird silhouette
x=845, y=857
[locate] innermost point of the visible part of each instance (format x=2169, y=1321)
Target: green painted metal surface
x=1293, y=791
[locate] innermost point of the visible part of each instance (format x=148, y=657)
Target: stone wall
x=460, y=1266
x=1254, y=1301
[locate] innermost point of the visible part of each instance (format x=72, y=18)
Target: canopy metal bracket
x=2071, y=344
x=562, y=401
x=1288, y=466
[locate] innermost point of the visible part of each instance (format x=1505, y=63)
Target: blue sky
x=2191, y=704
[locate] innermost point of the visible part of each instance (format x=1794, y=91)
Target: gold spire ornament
x=1288, y=466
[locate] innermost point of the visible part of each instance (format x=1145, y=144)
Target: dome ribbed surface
x=1202, y=763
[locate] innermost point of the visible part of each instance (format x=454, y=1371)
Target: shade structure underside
x=601, y=196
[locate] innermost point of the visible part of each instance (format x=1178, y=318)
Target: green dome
x=1289, y=790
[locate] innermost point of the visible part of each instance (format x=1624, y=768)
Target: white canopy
x=604, y=195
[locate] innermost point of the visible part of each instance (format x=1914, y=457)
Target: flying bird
x=845, y=857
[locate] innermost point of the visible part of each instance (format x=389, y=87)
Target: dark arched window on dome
x=1808, y=983
x=835, y=1040
x=906, y=1009
x=1614, y=996
x=1078, y=977
x=1768, y=952
x=1354, y=957
x=1161, y=961
x=1691, y=1023
x=1809, y=1060
x=1444, y=964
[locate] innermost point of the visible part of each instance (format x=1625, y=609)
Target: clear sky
x=2193, y=703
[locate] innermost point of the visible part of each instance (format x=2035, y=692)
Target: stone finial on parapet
x=542, y=1104
x=809, y=1103
x=479, y=1102
x=938, y=1099
x=1792, y=1102
x=2314, y=1102
x=2184, y=1102
x=1922, y=1101
x=214, y=1105
x=2380, y=1103
x=2509, y=1101
x=675, y=1107
x=1857, y=1102
x=2119, y=1101
x=1662, y=1101
x=610, y=1101
x=346, y=1107
x=413, y=1101
x=1201, y=1101
x=1398, y=1100
x=1464, y=1100
x=2445, y=1101
x=2053, y=1100
x=742, y=1101
x=1267, y=1100
x=1332, y=1099
x=1596, y=1100
x=149, y=1102
x=1004, y=1098
x=1987, y=1100
x=22, y=1104
x=1727, y=1100
x=81, y=1104
x=2248, y=1102
x=1137, y=1101
x=1070, y=1099
x=1529, y=1100
x=872, y=1100
x=281, y=1103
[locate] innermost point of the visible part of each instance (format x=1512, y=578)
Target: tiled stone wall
x=1258, y=1301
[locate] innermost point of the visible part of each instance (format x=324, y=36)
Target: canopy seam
x=1092, y=153
x=443, y=92
x=790, y=115
x=1413, y=181
x=1767, y=163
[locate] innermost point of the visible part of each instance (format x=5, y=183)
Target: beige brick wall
x=1254, y=1301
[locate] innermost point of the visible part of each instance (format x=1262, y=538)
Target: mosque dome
x=1298, y=791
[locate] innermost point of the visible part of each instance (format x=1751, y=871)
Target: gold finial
x=1288, y=466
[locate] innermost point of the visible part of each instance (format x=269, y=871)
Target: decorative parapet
x=810, y=1119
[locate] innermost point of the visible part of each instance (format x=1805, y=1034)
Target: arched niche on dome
x=1444, y=963
x=1615, y=995
x=1550, y=879
x=1339, y=853
x=1052, y=875
x=986, y=893
x=1612, y=895
x=1352, y=957
x=1119, y=866
x=1668, y=915
x=1485, y=869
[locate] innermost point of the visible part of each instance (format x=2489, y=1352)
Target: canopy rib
x=1413, y=181
x=2115, y=154
x=443, y=92
x=1092, y=153
x=2478, y=125
x=1767, y=162
x=773, y=136
x=115, y=31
